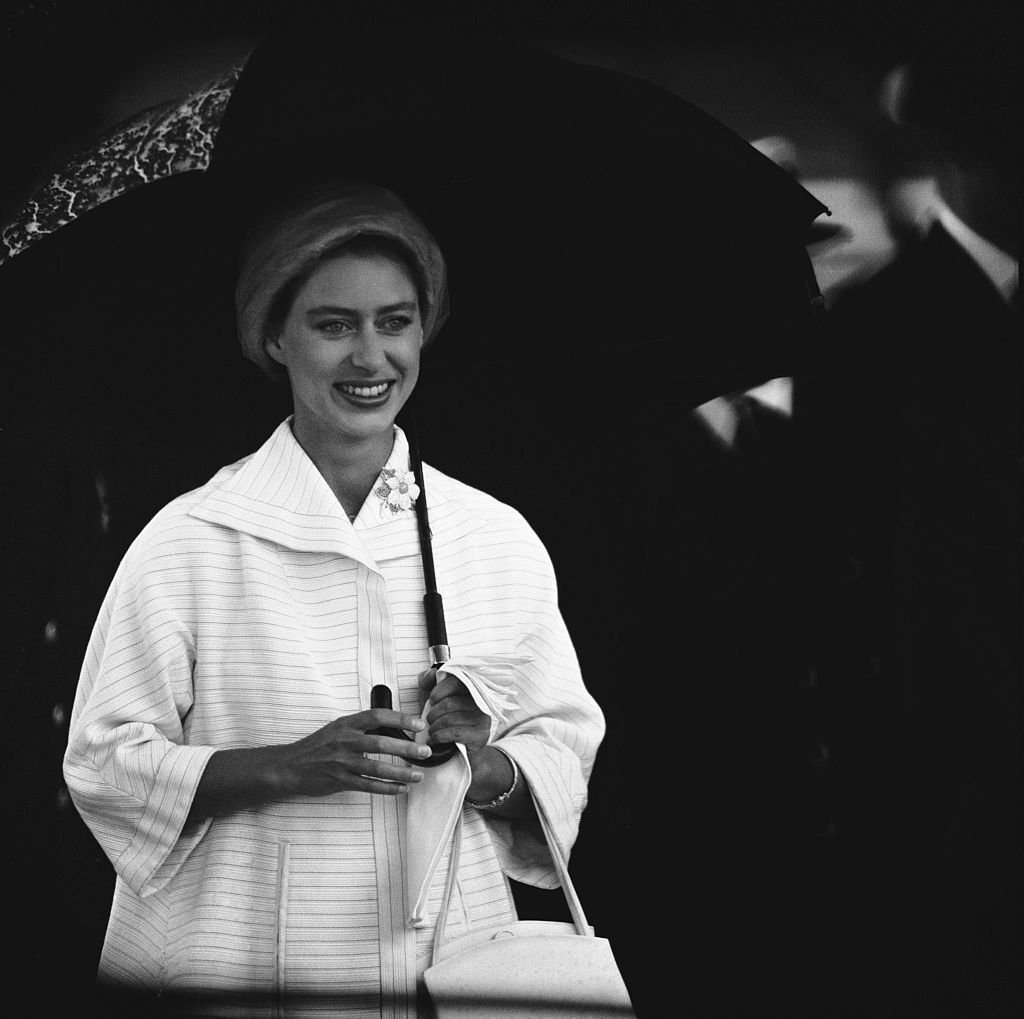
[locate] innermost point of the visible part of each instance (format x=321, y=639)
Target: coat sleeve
x=128, y=767
x=553, y=733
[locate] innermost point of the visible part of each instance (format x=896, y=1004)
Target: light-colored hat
x=289, y=243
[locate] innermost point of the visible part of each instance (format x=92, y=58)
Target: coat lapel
x=391, y=536
x=278, y=495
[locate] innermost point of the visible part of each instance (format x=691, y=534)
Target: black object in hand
x=380, y=697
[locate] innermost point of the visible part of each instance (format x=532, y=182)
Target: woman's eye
x=334, y=327
x=396, y=324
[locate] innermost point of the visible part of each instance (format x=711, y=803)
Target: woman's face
x=351, y=344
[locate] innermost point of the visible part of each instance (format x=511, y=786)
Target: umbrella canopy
x=615, y=258
x=579, y=208
x=528, y=168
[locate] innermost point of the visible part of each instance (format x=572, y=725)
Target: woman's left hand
x=452, y=715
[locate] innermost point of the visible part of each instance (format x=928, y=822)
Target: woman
x=223, y=748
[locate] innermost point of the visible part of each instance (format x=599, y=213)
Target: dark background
x=711, y=853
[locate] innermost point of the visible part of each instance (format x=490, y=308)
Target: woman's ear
x=272, y=345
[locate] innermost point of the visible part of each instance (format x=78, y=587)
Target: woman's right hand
x=334, y=758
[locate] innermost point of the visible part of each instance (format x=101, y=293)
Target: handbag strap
x=579, y=919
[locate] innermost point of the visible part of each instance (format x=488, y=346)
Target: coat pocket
x=227, y=920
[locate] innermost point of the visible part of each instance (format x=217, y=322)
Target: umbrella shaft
x=437, y=634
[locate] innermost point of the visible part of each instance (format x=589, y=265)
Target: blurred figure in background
x=859, y=237
x=917, y=412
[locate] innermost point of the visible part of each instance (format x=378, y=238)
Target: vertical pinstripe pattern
x=251, y=612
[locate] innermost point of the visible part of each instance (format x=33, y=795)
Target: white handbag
x=534, y=969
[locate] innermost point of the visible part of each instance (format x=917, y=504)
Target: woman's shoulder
x=485, y=508
x=441, y=486
x=174, y=525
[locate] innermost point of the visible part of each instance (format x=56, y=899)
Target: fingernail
x=424, y=750
x=418, y=725
x=417, y=776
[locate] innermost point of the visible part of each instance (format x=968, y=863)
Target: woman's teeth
x=365, y=391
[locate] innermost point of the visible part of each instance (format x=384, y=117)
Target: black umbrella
x=548, y=183
x=616, y=257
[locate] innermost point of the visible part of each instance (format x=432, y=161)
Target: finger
x=452, y=705
x=448, y=686
x=470, y=738
x=458, y=724
x=361, y=783
x=387, y=718
x=389, y=771
x=427, y=679
x=375, y=744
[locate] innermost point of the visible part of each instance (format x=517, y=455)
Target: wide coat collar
x=278, y=494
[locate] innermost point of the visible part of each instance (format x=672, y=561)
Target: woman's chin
x=364, y=426
x=361, y=422
x=336, y=426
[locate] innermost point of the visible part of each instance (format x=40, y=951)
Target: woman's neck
x=349, y=466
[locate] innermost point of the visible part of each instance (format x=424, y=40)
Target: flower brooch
x=397, y=490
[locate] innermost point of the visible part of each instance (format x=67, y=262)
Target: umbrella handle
x=440, y=653
x=380, y=697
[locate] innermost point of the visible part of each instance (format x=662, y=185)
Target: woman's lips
x=365, y=393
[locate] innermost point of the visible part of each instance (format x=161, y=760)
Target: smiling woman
x=227, y=747
x=351, y=346
x=340, y=291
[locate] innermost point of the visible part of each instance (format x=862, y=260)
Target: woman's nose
x=368, y=350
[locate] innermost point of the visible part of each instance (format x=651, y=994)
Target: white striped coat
x=252, y=612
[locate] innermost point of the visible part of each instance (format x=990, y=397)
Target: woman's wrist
x=239, y=778
x=495, y=778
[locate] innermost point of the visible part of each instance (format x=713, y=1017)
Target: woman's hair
x=287, y=246
x=362, y=246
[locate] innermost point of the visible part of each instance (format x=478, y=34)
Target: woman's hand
x=452, y=714
x=332, y=759
x=453, y=717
